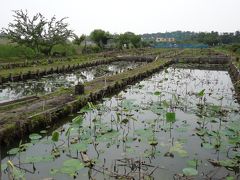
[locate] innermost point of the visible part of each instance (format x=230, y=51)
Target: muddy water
x=50, y=83
x=132, y=135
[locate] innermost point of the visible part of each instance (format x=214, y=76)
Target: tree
x=26, y=31
x=100, y=37
x=128, y=38
x=37, y=32
x=211, y=39
x=55, y=32
x=79, y=40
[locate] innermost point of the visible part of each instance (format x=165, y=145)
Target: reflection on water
x=130, y=135
x=50, y=83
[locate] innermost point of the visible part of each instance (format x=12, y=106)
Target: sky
x=138, y=16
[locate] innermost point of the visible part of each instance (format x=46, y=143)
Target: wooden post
x=11, y=77
x=79, y=89
x=29, y=74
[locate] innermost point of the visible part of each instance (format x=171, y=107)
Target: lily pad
x=190, y=172
x=35, y=136
x=192, y=163
x=77, y=120
x=157, y=93
x=201, y=93
x=55, y=136
x=70, y=166
x=36, y=159
x=178, y=148
x=53, y=171
x=207, y=146
x=13, y=151
x=80, y=147
x=43, y=132
x=3, y=167
x=171, y=117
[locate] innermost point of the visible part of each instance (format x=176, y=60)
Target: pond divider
x=95, y=90
x=35, y=74
x=207, y=60
x=235, y=76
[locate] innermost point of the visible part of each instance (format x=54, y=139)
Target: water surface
x=176, y=119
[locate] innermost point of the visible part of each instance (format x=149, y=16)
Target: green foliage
x=127, y=39
x=37, y=32
x=64, y=50
x=35, y=136
x=8, y=51
x=201, y=93
x=77, y=121
x=78, y=40
x=190, y=172
x=70, y=167
x=171, y=117
x=157, y=93
x=13, y=151
x=100, y=37
x=55, y=136
x=36, y=159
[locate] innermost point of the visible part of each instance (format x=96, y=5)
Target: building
x=160, y=39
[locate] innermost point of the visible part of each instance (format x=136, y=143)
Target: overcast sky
x=138, y=16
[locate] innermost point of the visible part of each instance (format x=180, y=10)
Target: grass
x=98, y=84
x=46, y=66
x=13, y=53
x=190, y=52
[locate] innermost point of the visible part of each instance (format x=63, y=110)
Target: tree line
x=215, y=38
x=41, y=34
x=210, y=38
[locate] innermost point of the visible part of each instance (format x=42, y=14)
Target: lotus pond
x=47, y=84
x=178, y=124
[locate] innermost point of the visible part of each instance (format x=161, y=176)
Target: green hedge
x=9, y=51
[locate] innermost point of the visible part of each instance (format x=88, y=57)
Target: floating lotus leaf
x=207, y=146
x=36, y=159
x=192, y=163
x=43, y=131
x=70, y=166
x=108, y=136
x=165, y=104
x=80, y=147
x=13, y=151
x=54, y=171
x=201, y=93
x=55, y=136
x=171, y=117
x=229, y=163
x=144, y=133
x=157, y=93
x=35, y=136
x=190, y=172
x=3, y=167
x=178, y=148
x=77, y=120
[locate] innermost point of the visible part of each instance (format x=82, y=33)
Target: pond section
x=47, y=84
x=178, y=124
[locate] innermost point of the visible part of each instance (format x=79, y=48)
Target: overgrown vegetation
x=37, y=33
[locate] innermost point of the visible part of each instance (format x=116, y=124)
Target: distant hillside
x=178, y=35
